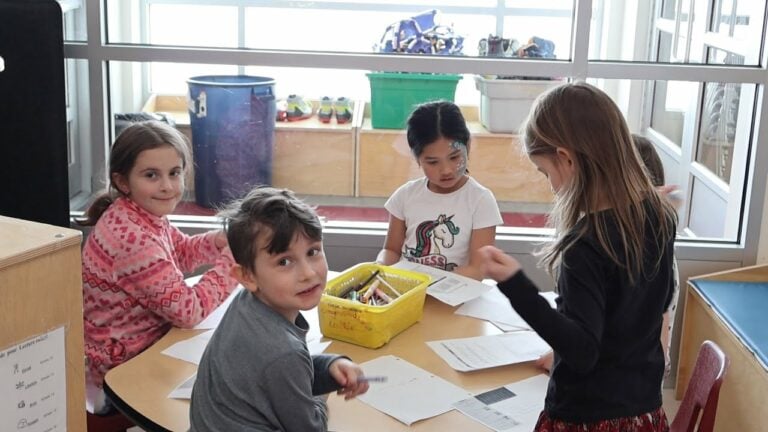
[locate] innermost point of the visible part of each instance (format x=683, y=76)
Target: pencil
x=378, y=379
x=346, y=292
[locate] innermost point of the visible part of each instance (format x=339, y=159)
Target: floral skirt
x=654, y=421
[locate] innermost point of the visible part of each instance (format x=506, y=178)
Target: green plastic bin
x=394, y=95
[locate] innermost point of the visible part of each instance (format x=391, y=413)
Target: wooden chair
x=110, y=423
x=703, y=391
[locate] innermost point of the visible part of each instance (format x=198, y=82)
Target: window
x=688, y=74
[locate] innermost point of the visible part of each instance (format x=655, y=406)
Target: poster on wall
x=33, y=384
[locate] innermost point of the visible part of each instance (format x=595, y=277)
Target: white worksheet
x=33, y=384
x=493, y=306
x=410, y=393
x=212, y=321
x=450, y=288
x=481, y=352
x=514, y=407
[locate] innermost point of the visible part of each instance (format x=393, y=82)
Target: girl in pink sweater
x=134, y=260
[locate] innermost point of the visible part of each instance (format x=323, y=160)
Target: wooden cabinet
x=746, y=381
x=495, y=160
x=314, y=158
x=41, y=290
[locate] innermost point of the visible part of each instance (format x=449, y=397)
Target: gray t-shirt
x=257, y=375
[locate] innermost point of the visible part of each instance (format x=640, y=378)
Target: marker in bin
x=346, y=292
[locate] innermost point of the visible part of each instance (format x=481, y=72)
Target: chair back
x=703, y=391
x=115, y=422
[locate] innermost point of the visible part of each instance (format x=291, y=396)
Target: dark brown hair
x=650, y=158
x=279, y=211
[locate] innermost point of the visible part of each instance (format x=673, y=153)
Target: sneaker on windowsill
x=325, y=112
x=298, y=108
x=343, y=109
x=282, y=110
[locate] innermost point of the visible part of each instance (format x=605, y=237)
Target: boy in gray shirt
x=256, y=373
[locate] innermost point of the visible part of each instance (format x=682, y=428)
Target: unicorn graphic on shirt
x=431, y=236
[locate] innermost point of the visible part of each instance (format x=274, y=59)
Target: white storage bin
x=505, y=103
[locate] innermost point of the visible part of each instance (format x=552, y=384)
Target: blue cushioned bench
x=744, y=307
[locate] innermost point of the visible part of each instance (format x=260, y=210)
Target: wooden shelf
x=356, y=160
x=495, y=160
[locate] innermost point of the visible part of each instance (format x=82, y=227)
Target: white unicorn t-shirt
x=439, y=226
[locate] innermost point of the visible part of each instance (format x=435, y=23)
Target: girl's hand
x=220, y=240
x=346, y=372
x=672, y=193
x=496, y=264
x=545, y=361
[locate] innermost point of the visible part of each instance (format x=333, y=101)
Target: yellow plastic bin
x=367, y=325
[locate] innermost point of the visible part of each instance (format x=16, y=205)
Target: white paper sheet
x=481, y=352
x=33, y=384
x=450, y=288
x=184, y=390
x=514, y=407
x=493, y=306
x=190, y=350
x=410, y=393
x=212, y=321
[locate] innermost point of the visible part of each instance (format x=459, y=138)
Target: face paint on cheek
x=461, y=167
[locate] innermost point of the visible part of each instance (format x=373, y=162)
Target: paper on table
x=481, y=352
x=190, y=350
x=450, y=288
x=493, y=306
x=514, y=407
x=212, y=321
x=184, y=390
x=410, y=393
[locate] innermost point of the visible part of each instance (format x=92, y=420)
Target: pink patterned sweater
x=133, y=284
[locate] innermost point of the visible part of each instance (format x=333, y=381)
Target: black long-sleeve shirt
x=608, y=360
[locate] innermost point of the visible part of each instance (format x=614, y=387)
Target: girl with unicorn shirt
x=440, y=219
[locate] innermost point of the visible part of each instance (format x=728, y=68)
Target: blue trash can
x=233, y=124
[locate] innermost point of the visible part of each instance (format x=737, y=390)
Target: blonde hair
x=608, y=174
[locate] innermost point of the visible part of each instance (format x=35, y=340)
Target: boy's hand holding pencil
x=350, y=377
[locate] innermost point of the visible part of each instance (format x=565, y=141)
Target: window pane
x=73, y=12
x=671, y=101
x=78, y=130
x=340, y=26
x=717, y=133
x=623, y=30
x=183, y=25
x=669, y=9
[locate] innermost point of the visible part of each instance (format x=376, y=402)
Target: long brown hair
x=129, y=144
x=608, y=174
